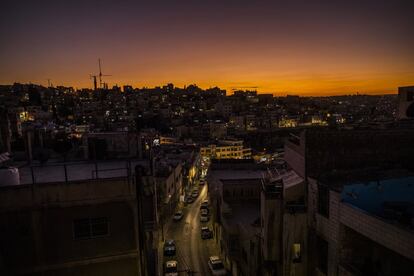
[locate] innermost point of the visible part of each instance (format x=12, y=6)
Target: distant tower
x=95, y=86
x=406, y=102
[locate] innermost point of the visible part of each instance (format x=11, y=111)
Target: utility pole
x=139, y=172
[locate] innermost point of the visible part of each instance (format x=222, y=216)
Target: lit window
x=296, y=253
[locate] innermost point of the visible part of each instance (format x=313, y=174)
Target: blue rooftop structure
x=392, y=199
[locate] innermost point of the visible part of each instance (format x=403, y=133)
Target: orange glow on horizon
x=280, y=47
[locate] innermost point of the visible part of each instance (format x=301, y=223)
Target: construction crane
x=100, y=75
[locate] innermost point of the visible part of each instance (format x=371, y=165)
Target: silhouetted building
x=406, y=102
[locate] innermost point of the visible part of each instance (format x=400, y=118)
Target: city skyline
x=303, y=48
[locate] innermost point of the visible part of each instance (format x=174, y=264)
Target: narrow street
x=192, y=251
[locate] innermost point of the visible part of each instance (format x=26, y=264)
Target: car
x=204, y=217
x=203, y=207
x=178, y=215
x=169, y=248
x=202, y=182
x=189, y=199
x=204, y=211
x=216, y=266
x=170, y=268
x=206, y=233
x=194, y=194
x=195, y=189
x=204, y=203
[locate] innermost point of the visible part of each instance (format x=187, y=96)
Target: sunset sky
x=305, y=47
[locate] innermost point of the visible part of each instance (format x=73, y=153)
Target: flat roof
x=391, y=199
x=77, y=171
x=238, y=174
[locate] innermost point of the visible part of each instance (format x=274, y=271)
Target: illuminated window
x=296, y=253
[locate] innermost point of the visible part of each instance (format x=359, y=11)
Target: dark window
x=244, y=255
x=99, y=227
x=90, y=228
x=81, y=229
x=233, y=244
x=322, y=256
x=410, y=111
x=410, y=96
x=323, y=200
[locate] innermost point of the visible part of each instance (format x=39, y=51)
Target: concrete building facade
x=83, y=227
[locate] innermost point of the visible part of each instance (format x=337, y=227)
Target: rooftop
x=238, y=174
x=391, y=199
x=77, y=171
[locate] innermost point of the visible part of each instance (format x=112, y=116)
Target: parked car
x=216, y=266
x=178, y=215
x=204, y=211
x=204, y=203
x=203, y=182
x=189, y=199
x=194, y=194
x=170, y=268
x=206, y=233
x=202, y=207
x=204, y=217
x=169, y=248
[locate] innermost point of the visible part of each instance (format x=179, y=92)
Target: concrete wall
x=326, y=227
x=294, y=231
x=398, y=240
x=295, y=157
x=391, y=236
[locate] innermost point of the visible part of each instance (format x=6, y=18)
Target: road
x=192, y=251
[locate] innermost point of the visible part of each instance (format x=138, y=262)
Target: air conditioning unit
x=406, y=102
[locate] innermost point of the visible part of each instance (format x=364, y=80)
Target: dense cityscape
x=196, y=138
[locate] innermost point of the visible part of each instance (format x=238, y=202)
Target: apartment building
x=359, y=199
x=283, y=223
x=77, y=219
x=234, y=188
x=226, y=149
